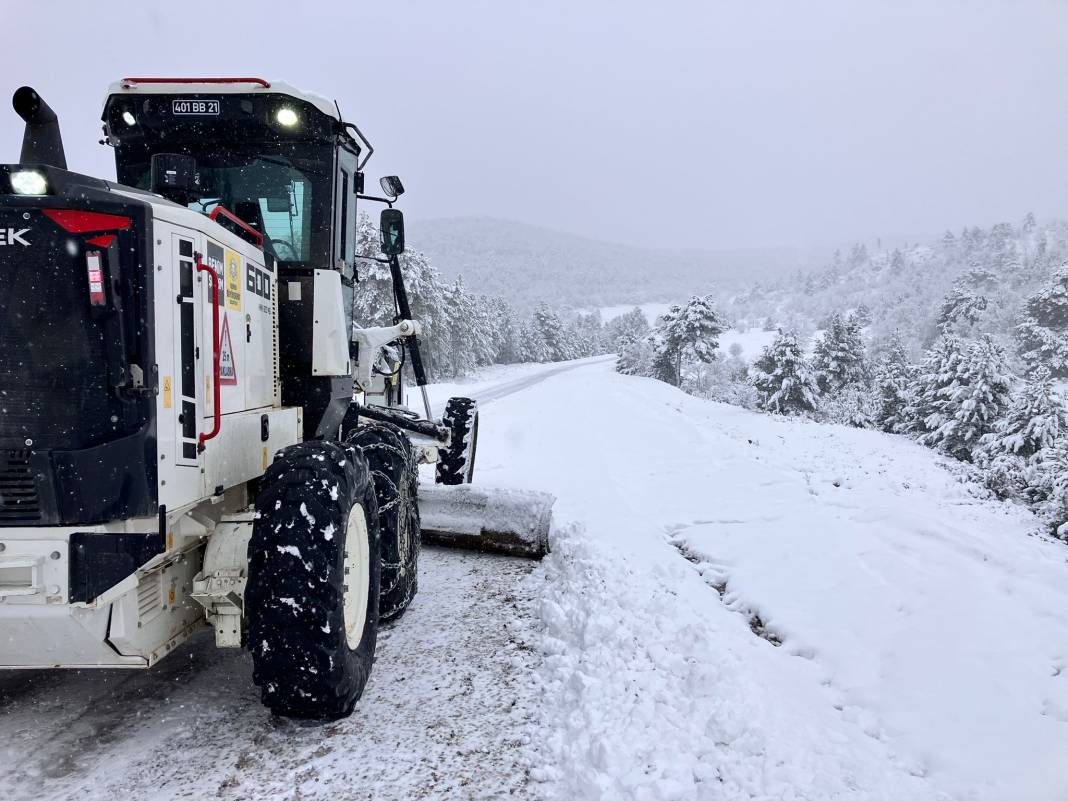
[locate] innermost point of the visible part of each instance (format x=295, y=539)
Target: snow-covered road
x=446, y=713
x=443, y=717
x=500, y=382
x=737, y=606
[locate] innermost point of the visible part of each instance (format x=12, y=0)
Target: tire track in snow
x=716, y=576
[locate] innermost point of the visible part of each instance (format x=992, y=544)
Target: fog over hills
x=526, y=264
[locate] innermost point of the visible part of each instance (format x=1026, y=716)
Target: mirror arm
x=377, y=199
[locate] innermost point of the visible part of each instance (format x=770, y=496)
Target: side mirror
x=391, y=225
x=174, y=176
x=391, y=186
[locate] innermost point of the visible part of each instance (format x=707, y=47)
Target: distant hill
x=526, y=264
x=904, y=289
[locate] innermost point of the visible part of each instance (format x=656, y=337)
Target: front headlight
x=28, y=182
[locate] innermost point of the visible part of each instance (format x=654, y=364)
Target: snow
x=737, y=605
x=443, y=716
x=752, y=341
x=923, y=630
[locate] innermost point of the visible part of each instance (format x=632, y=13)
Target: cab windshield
x=280, y=189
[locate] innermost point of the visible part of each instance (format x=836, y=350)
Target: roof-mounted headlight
x=286, y=117
x=28, y=182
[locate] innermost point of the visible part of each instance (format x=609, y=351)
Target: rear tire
x=391, y=459
x=313, y=581
x=456, y=463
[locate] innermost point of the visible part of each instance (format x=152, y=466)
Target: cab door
x=345, y=231
x=345, y=211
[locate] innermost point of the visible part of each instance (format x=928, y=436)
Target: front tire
x=313, y=581
x=456, y=463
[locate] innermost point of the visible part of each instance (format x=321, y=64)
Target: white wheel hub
x=357, y=576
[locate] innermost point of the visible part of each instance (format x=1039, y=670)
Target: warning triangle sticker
x=227, y=365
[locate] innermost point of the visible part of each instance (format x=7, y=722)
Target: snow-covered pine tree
x=975, y=397
x=506, y=331
x=1042, y=334
x=933, y=379
x=453, y=354
x=663, y=360
x=784, y=381
x=1002, y=256
x=1046, y=479
x=484, y=345
x=686, y=333
x=532, y=345
x=1011, y=456
x=838, y=357
x=858, y=255
x=1035, y=419
x=558, y=339
x=897, y=262
x=961, y=308
x=590, y=338
x=627, y=328
x=635, y=354
x=893, y=378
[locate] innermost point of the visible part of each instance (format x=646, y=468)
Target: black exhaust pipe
x=41, y=143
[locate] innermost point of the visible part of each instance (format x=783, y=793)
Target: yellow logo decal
x=168, y=392
x=233, y=280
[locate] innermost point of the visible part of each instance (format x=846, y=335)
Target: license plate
x=195, y=107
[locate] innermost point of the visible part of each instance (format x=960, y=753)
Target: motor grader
x=193, y=428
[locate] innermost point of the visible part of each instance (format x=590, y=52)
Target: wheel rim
x=357, y=576
x=472, y=446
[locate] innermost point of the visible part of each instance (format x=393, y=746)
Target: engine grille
x=18, y=489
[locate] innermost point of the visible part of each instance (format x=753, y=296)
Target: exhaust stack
x=42, y=142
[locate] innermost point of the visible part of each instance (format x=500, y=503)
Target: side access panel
x=181, y=353
x=253, y=426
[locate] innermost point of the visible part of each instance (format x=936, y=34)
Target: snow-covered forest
x=466, y=330
x=960, y=345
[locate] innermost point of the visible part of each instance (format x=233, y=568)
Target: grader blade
x=491, y=519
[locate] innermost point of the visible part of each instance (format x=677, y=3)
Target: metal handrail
x=216, y=355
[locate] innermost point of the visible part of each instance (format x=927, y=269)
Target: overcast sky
x=699, y=124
